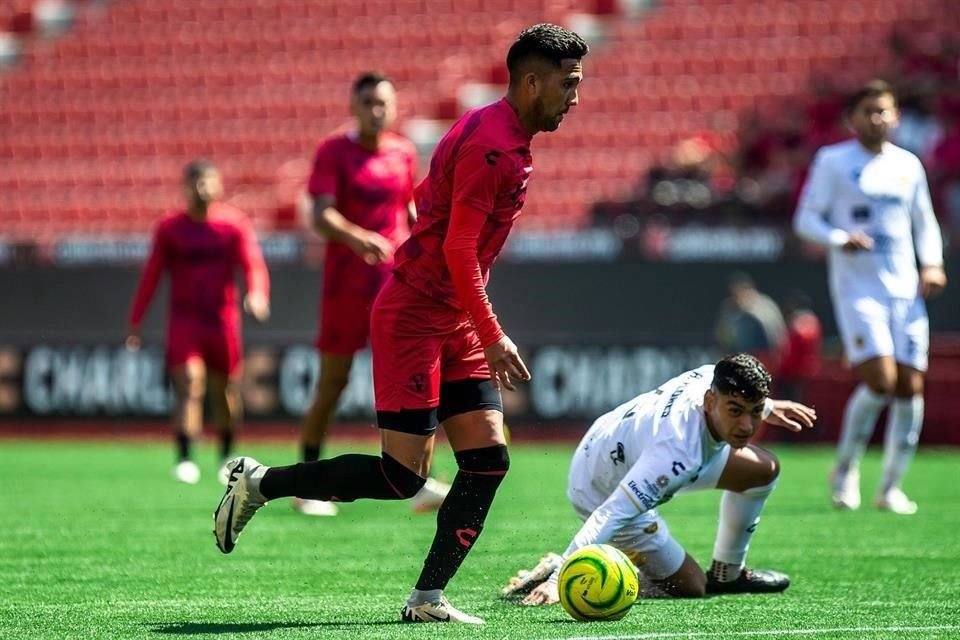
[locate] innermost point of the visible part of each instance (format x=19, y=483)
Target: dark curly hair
x=743, y=375
x=547, y=41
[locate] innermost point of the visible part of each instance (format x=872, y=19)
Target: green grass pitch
x=97, y=541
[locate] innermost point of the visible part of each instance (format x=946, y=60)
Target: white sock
x=418, y=597
x=859, y=421
x=903, y=433
x=739, y=516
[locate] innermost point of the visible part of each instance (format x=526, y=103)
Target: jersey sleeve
x=255, y=273
x=156, y=263
x=926, y=230
x=460, y=253
x=815, y=200
x=479, y=174
x=325, y=175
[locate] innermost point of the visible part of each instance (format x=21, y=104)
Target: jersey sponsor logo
x=617, y=455
x=677, y=393
x=466, y=537
x=647, y=501
x=677, y=467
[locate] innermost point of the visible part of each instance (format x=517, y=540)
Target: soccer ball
x=597, y=582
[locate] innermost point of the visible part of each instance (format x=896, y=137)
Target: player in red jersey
x=361, y=196
x=439, y=354
x=201, y=248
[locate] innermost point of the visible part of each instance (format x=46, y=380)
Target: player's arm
x=156, y=263
x=928, y=240
x=255, y=273
x=810, y=222
x=334, y=226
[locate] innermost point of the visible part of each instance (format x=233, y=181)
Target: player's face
x=557, y=92
x=874, y=118
x=375, y=108
x=207, y=188
x=731, y=418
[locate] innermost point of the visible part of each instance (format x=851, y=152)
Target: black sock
x=226, y=444
x=342, y=479
x=459, y=523
x=183, y=443
x=310, y=453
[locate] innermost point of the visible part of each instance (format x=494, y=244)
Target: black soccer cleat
x=751, y=581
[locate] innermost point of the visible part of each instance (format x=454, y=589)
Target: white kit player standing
x=867, y=201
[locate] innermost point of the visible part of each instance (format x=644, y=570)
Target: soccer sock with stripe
x=903, y=432
x=859, y=421
x=739, y=516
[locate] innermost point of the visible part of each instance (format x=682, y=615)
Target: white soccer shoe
x=439, y=611
x=240, y=501
x=845, y=489
x=187, y=472
x=314, y=507
x=430, y=496
x=527, y=580
x=896, y=501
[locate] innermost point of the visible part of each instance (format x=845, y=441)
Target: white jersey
x=884, y=195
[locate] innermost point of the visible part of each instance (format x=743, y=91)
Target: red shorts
x=219, y=347
x=418, y=344
x=345, y=310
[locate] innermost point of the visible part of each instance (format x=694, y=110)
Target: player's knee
x=404, y=482
x=493, y=460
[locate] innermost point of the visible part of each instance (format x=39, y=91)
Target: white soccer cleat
x=240, y=501
x=439, y=611
x=845, y=489
x=896, y=501
x=314, y=507
x=187, y=472
x=527, y=580
x=430, y=496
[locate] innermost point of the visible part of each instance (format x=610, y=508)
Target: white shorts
x=872, y=328
x=647, y=533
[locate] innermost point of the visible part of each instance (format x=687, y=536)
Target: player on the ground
x=201, y=248
x=361, y=198
x=867, y=201
x=690, y=434
x=439, y=354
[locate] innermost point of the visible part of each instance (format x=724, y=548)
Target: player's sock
x=859, y=421
x=463, y=512
x=342, y=479
x=184, y=445
x=739, y=516
x=903, y=433
x=226, y=444
x=310, y=453
x=418, y=597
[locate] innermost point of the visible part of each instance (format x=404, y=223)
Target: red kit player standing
x=201, y=248
x=439, y=354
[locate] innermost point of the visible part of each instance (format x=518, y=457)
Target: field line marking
x=766, y=632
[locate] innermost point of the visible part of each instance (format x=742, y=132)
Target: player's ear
x=709, y=400
x=531, y=83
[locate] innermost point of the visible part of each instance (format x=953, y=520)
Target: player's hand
x=505, y=363
x=933, y=280
x=858, y=241
x=545, y=593
x=791, y=415
x=133, y=341
x=372, y=247
x=257, y=305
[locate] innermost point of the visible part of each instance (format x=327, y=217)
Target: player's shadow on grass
x=215, y=628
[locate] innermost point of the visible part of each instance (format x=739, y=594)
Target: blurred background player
x=439, y=354
x=867, y=201
x=201, y=248
x=361, y=198
x=750, y=321
x=690, y=434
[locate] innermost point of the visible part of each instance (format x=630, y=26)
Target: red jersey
x=201, y=258
x=484, y=163
x=372, y=189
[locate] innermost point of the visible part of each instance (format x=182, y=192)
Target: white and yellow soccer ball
x=598, y=582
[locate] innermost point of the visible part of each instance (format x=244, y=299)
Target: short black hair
x=368, y=79
x=872, y=89
x=548, y=41
x=742, y=374
x=196, y=168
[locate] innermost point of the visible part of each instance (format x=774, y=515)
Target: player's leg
x=865, y=329
x=189, y=383
x=748, y=477
x=223, y=355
